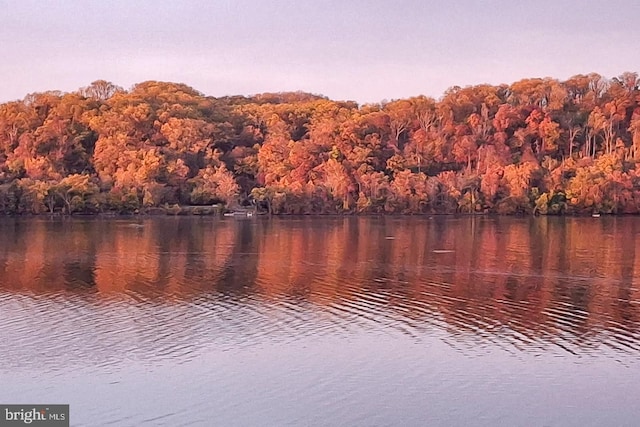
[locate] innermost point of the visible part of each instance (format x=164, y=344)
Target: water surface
x=323, y=321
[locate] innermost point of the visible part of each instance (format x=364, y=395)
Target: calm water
x=323, y=321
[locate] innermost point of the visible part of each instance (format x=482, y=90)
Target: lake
x=380, y=321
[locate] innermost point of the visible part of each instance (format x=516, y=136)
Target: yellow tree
x=634, y=129
x=214, y=184
x=75, y=191
x=338, y=181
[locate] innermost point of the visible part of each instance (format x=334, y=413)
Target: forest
x=537, y=146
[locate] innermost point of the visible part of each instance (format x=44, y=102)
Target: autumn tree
x=214, y=185
x=538, y=145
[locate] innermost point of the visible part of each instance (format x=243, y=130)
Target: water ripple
x=119, y=293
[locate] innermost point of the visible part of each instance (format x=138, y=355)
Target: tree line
x=536, y=146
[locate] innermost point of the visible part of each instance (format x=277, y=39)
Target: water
x=323, y=321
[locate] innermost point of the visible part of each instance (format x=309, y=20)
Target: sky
x=366, y=51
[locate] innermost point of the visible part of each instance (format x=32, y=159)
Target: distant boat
x=240, y=213
x=595, y=215
x=135, y=225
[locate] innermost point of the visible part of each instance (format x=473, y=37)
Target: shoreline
x=205, y=211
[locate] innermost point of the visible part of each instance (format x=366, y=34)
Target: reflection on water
x=529, y=284
x=104, y=293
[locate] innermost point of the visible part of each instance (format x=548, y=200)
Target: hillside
x=535, y=146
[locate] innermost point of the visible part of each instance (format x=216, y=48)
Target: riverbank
x=213, y=211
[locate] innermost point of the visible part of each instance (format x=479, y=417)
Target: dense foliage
x=536, y=146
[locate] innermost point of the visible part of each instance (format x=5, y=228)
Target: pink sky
x=359, y=50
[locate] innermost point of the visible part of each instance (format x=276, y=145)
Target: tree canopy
x=535, y=146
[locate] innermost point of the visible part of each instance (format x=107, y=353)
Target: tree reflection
x=565, y=281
